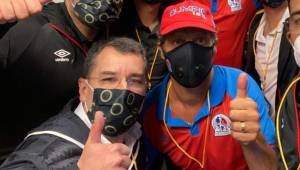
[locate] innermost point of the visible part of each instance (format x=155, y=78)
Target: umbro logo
x=61, y=55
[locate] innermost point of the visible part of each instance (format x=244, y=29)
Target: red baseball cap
x=187, y=14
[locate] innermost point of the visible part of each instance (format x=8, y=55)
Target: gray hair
x=122, y=45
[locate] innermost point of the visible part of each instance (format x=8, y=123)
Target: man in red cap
x=205, y=116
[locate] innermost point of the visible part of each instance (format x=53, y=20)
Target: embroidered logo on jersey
x=62, y=54
x=235, y=5
x=221, y=125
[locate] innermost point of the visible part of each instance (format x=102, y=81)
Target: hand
x=100, y=156
x=244, y=115
x=11, y=10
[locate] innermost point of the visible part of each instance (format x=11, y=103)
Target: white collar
x=130, y=137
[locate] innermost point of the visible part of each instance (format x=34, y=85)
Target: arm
x=259, y=155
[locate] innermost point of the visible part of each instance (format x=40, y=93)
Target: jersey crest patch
x=221, y=124
x=235, y=5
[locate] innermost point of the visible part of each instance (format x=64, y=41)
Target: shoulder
x=67, y=123
x=17, y=39
x=28, y=26
x=48, y=151
x=230, y=77
x=43, y=152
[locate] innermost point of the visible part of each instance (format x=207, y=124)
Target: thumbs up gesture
x=11, y=10
x=243, y=114
x=100, y=156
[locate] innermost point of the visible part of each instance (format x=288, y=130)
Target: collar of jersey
x=217, y=91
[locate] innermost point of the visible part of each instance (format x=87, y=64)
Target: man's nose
x=123, y=84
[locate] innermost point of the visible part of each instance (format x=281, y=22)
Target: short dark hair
x=122, y=45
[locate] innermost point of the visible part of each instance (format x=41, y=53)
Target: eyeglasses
x=135, y=84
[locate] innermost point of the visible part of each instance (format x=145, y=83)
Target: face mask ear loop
x=84, y=103
x=74, y=2
x=85, y=106
x=88, y=84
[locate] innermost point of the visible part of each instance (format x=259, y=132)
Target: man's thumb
x=242, y=86
x=96, y=129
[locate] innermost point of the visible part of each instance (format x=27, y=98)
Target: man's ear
x=83, y=89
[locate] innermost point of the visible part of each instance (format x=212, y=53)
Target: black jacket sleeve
x=23, y=161
x=43, y=152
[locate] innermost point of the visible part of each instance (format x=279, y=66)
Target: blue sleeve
x=267, y=127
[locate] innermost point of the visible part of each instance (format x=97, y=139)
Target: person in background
x=288, y=117
x=113, y=81
x=232, y=18
x=200, y=107
x=140, y=20
x=269, y=56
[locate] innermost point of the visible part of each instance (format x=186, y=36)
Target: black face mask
x=190, y=64
x=97, y=12
x=120, y=108
x=272, y=3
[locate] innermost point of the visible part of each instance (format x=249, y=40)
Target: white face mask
x=296, y=47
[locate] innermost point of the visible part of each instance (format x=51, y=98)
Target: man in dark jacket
x=113, y=81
